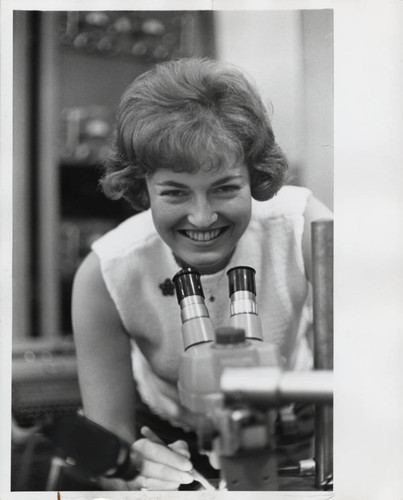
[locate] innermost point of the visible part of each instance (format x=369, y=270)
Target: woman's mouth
x=203, y=236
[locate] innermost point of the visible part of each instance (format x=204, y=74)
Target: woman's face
x=201, y=216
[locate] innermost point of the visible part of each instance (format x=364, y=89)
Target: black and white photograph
x=201, y=250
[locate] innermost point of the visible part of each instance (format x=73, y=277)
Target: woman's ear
x=145, y=198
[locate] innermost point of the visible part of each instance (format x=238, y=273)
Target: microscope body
x=202, y=364
x=241, y=435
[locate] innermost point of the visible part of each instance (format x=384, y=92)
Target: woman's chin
x=203, y=263
x=204, y=267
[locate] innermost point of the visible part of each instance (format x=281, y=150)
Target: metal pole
x=322, y=265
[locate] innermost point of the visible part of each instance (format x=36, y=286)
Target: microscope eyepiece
x=243, y=307
x=187, y=282
x=196, y=323
x=241, y=278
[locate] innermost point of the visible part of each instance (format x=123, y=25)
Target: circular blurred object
x=82, y=151
x=139, y=49
x=108, y=45
x=87, y=41
x=153, y=26
x=81, y=41
x=97, y=128
x=29, y=356
x=122, y=25
x=161, y=52
x=97, y=18
x=46, y=356
x=105, y=44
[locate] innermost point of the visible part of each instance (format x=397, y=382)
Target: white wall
x=317, y=173
x=279, y=50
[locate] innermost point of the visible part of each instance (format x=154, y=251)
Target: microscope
x=235, y=382
x=236, y=386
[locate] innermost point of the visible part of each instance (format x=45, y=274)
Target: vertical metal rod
x=322, y=265
x=48, y=177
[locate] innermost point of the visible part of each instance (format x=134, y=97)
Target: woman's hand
x=165, y=467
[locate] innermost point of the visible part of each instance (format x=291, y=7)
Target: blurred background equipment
x=44, y=385
x=70, y=71
x=44, y=381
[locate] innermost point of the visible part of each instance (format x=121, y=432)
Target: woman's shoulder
x=289, y=200
x=133, y=233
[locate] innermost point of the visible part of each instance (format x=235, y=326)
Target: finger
x=163, y=472
x=149, y=434
x=214, y=454
x=149, y=483
x=180, y=447
x=161, y=454
x=112, y=484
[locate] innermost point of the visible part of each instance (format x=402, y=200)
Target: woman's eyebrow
x=223, y=180
x=228, y=178
x=171, y=184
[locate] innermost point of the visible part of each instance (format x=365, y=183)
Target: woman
x=196, y=154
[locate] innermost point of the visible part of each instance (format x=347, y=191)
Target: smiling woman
x=196, y=154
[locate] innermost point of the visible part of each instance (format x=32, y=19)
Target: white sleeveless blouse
x=136, y=263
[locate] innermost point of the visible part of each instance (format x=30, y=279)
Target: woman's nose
x=202, y=215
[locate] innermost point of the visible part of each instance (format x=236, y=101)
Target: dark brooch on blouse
x=167, y=288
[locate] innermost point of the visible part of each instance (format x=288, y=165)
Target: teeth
x=203, y=235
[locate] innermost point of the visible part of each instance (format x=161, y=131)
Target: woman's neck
x=211, y=269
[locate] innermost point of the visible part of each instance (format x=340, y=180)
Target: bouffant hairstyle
x=189, y=114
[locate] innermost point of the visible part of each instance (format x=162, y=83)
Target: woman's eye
x=173, y=193
x=228, y=188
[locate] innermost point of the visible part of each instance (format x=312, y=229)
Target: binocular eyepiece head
x=187, y=281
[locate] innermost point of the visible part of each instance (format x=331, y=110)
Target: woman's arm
x=107, y=383
x=103, y=353
x=315, y=210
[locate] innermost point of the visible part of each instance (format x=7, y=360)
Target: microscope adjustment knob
x=228, y=335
